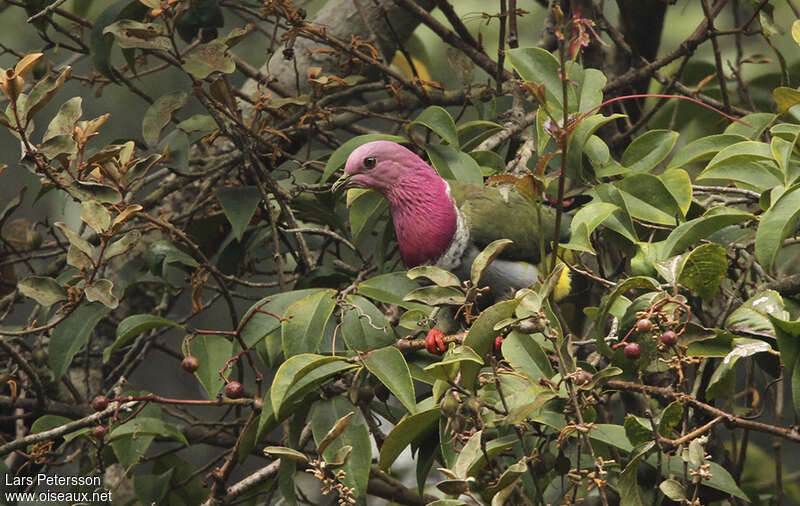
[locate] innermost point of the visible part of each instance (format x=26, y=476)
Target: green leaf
x=364, y=326
x=453, y=359
x=390, y=367
x=718, y=345
x=638, y=430
x=239, y=203
x=133, y=326
x=526, y=356
x=159, y=115
x=63, y=123
x=619, y=221
x=704, y=270
x=357, y=466
x=439, y=121
x=451, y=163
x=72, y=334
x=538, y=65
x=365, y=211
x=673, y=490
x=437, y=295
x=486, y=257
x=76, y=240
x=411, y=428
x=283, y=452
x=202, y=123
x=209, y=58
x=152, y=488
x=436, y=274
x=591, y=89
x=756, y=124
x=693, y=231
x=46, y=291
x=264, y=317
x=472, y=133
x=94, y=214
x=630, y=493
x=648, y=150
x=721, y=479
x=786, y=98
x=703, y=149
x=670, y=418
x=47, y=422
x=647, y=198
x=131, y=34
x=99, y=290
x=211, y=351
x=468, y=454
x=44, y=91
x=481, y=336
x=760, y=176
x=614, y=435
x=86, y=190
x=304, y=328
x=129, y=450
x=334, y=432
x=59, y=147
x=745, y=151
x=722, y=382
x=776, y=224
x=585, y=221
x=679, y=184
x=579, y=138
x=147, y=426
x=339, y=156
x=292, y=371
x=121, y=245
x=391, y=288
x=752, y=316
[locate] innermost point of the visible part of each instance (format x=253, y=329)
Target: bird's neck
x=425, y=218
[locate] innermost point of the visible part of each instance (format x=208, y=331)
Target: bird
x=448, y=223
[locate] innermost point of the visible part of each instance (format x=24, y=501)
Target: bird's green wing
x=493, y=213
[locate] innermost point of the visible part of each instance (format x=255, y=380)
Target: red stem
x=658, y=95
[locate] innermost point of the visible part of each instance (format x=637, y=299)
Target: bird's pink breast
x=425, y=220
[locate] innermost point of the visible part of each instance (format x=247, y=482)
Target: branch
x=700, y=35
x=731, y=420
x=480, y=58
x=59, y=431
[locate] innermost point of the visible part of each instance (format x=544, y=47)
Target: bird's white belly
x=453, y=256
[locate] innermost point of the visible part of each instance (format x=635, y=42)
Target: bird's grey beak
x=341, y=183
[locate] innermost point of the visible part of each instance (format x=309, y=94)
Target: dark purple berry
x=633, y=351
x=234, y=390
x=99, y=403
x=669, y=338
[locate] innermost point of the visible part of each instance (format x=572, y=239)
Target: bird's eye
x=370, y=162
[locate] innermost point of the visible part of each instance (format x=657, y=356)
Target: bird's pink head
x=424, y=214
x=382, y=165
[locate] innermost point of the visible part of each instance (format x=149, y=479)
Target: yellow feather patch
x=563, y=286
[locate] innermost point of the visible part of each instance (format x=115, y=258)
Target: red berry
x=99, y=432
x=633, y=351
x=234, y=390
x=644, y=325
x=434, y=342
x=669, y=338
x=190, y=364
x=498, y=344
x=99, y=403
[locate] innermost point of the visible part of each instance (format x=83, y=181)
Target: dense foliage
x=201, y=320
